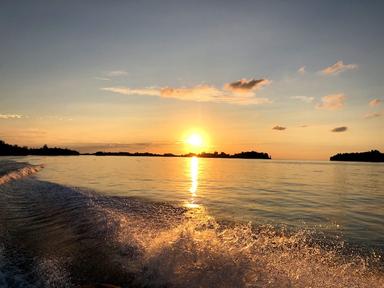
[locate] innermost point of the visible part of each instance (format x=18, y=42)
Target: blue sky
x=57, y=58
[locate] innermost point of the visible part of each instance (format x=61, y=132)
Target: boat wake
x=58, y=236
x=10, y=170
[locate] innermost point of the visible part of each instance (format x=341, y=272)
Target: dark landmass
x=15, y=150
x=242, y=155
x=369, y=156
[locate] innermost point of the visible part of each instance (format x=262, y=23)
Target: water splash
x=17, y=173
x=197, y=251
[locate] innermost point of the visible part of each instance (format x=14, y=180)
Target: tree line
x=15, y=150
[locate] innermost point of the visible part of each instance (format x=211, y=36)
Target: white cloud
x=129, y=91
x=117, y=73
x=102, y=78
x=10, y=116
x=301, y=70
x=241, y=92
x=338, y=67
x=307, y=99
x=332, y=102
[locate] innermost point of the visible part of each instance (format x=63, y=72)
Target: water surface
x=177, y=222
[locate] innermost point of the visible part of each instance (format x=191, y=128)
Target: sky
x=295, y=79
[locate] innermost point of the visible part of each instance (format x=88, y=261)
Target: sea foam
x=19, y=173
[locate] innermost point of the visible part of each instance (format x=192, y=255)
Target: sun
x=195, y=140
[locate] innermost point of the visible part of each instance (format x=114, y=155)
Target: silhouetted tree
x=14, y=150
x=369, y=156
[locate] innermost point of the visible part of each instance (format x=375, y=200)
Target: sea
x=116, y=221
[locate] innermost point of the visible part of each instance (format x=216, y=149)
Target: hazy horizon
x=142, y=148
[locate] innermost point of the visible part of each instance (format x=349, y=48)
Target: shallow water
x=188, y=222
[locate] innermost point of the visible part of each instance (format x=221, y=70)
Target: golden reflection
x=194, y=175
x=194, y=170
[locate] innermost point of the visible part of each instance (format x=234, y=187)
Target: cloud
x=202, y=93
x=375, y=102
x=340, y=129
x=241, y=92
x=54, y=118
x=337, y=68
x=10, y=116
x=32, y=132
x=301, y=70
x=122, y=147
x=129, y=91
x=280, y=128
x=307, y=99
x=102, y=78
x=373, y=115
x=116, y=73
x=332, y=102
x=245, y=86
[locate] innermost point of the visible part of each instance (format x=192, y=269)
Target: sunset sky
x=296, y=79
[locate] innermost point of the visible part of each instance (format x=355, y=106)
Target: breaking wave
x=10, y=170
x=58, y=236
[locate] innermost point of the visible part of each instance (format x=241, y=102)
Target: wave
x=198, y=251
x=12, y=171
x=58, y=236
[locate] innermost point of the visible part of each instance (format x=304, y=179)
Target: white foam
x=20, y=173
x=199, y=252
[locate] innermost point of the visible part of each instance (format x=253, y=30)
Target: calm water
x=190, y=222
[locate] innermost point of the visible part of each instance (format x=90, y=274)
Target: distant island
x=15, y=150
x=241, y=155
x=369, y=156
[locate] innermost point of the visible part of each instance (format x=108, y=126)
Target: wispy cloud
x=241, y=92
x=279, y=128
x=374, y=114
x=109, y=75
x=117, y=73
x=375, y=102
x=20, y=135
x=55, y=118
x=340, y=129
x=10, y=116
x=32, y=132
x=307, y=99
x=337, y=68
x=102, y=78
x=122, y=147
x=302, y=70
x=332, y=102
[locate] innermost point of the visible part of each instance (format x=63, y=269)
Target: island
x=369, y=156
x=15, y=150
x=241, y=155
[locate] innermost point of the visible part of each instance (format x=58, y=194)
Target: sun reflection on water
x=194, y=175
x=194, y=172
